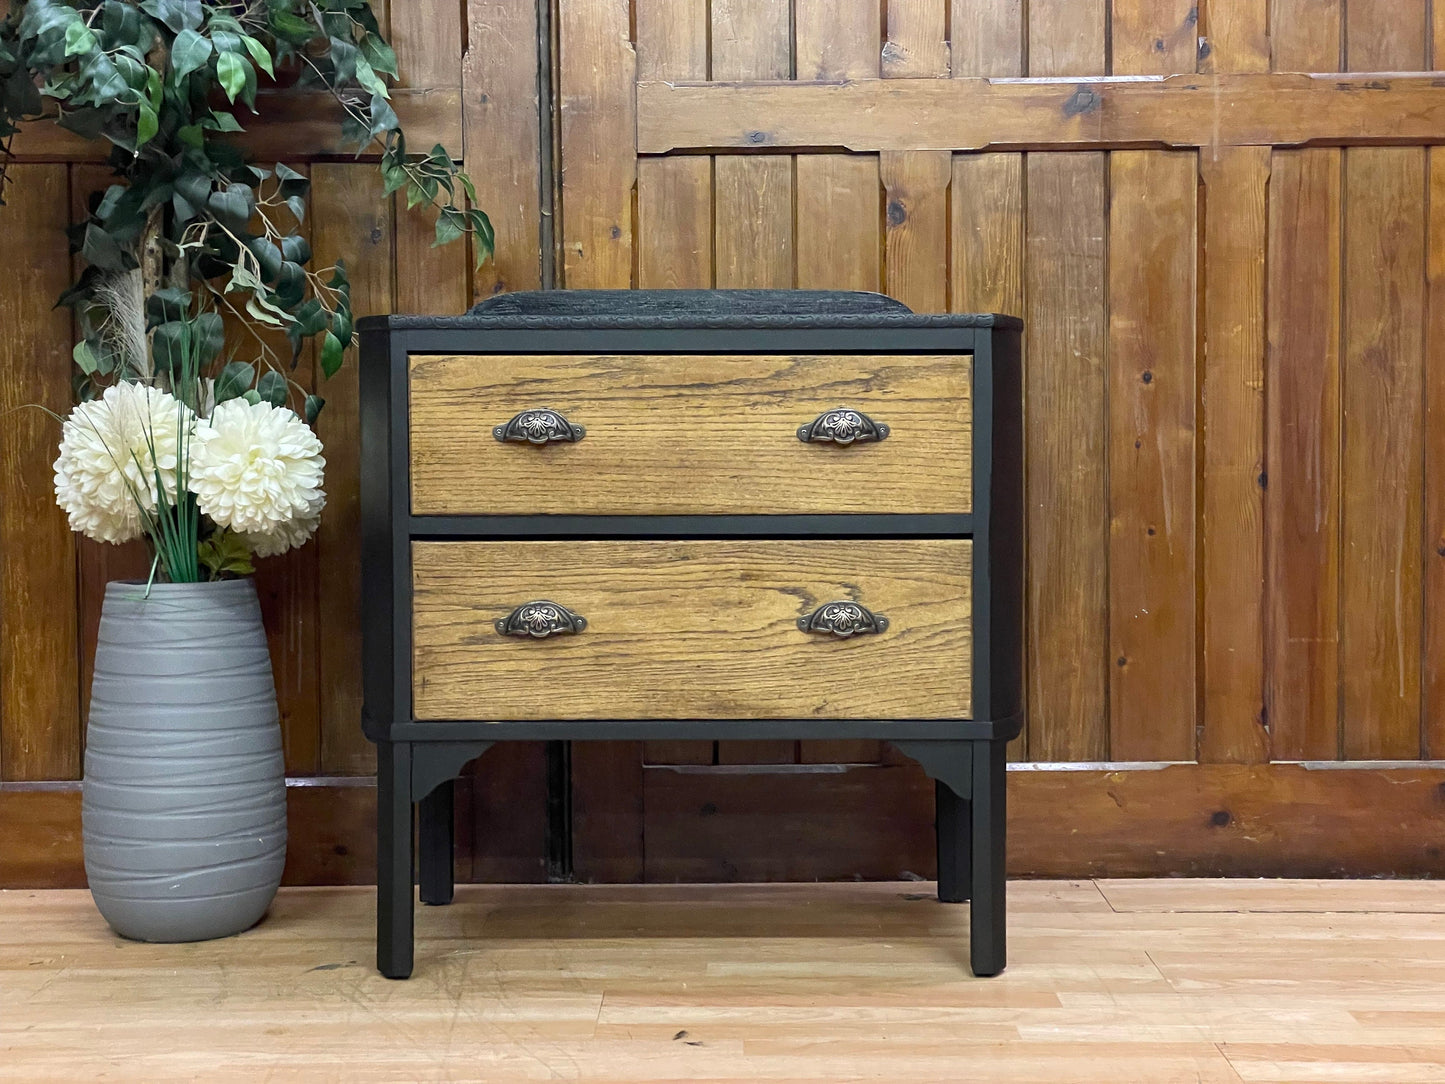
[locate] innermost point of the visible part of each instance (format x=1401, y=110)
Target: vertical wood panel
x=1302, y=362
x=499, y=82
x=1307, y=35
x=753, y=221
x=39, y=679
x=916, y=45
x=1154, y=37
x=1235, y=35
x=837, y=39
x=987, y=37
x=1383, y=359
x=1151, y=454
x=838, y=198
x=596, y=77
x=1232, y=431
x=751, y=39
x=915, y=185
x=1386, y=35
x=1066, y=37
x=351, y=222
x=1434, y=663
x=671, y=39
x=1067, y=497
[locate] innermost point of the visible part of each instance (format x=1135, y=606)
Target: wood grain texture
x=1154, y=37
x=915, y=188
x=917, y=42
x=674, y=222
x=1433, y=690
x=501, y=150
x=1385, y=35
x=40, y=732
x=350, y=222
x=867, y=115
x=1307, y=35
x=987, y=37
x=690, y=434
x=1232, y=432
x=987, y=268
x=1302, y=429
x=836, y=38
x=751, y=39
x=671, y=38
x=1234, y=36
x=596, y=74
x=1383, y=452
x=753, y=222
x=1152, y=298
x=838, y=200
x=1067, y=37
x=1065, y=322
x=712, y=624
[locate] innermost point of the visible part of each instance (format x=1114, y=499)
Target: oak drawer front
x=699, y=434
x=693, y=630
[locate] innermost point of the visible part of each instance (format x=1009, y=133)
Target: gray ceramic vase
x=184, y=804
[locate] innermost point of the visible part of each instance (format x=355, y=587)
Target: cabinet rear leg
x=434, y=813
x=954, y=816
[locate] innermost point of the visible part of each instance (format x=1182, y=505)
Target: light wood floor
x=1108, y=981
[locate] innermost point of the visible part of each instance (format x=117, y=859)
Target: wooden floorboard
x=1158, y=981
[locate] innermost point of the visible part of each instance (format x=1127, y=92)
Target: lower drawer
x=693, y=630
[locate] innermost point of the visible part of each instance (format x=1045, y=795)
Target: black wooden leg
x=394, y=920
x=434, y=813
x=986, y=919
x=955, y=844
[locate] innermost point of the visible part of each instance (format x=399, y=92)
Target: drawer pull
x=842, y=426
x=843, y=619
x=541, y=426
x=540, y=619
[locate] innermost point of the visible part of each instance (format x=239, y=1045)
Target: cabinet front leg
x=394, y=919
x=434, y=813
x=987, y=915
x=954, y=817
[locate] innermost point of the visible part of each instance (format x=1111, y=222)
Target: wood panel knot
x=1083, y=100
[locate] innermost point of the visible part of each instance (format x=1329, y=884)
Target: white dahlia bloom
x=288, y=536
x=256, y=468
x=106, y=474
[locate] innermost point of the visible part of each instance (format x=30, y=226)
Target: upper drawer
x=674, y=434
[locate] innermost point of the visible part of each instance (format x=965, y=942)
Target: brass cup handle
x=540, y=619
x=842, y=426
x=843, y=619
x=540, y=426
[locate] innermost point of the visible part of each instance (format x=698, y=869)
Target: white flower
x=288, y=536
x=106, y=474
x=256, y=468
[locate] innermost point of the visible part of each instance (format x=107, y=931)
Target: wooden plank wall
x=1234, y=288
x=1234, y=450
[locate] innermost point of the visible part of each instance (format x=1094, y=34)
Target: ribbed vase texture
x=184, y=804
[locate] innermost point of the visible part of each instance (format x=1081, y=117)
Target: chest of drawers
x=679, y=514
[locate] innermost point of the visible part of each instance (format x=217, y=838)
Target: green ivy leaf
x=189, y=53
x=225, y=553
x=231, y=72
x=451, y=224
x=85, y=358
x=332, y=353
x=78, y=39
x=223, y=122
x=368, y=78
x=379, y=54
x=272, y=388
x=259, y=55
x=147, y=124
x=177, y=14
x=252, y=396
x=314, y=403
x=233, y=381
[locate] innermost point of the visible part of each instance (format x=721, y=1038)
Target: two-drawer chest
x=627, y=515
